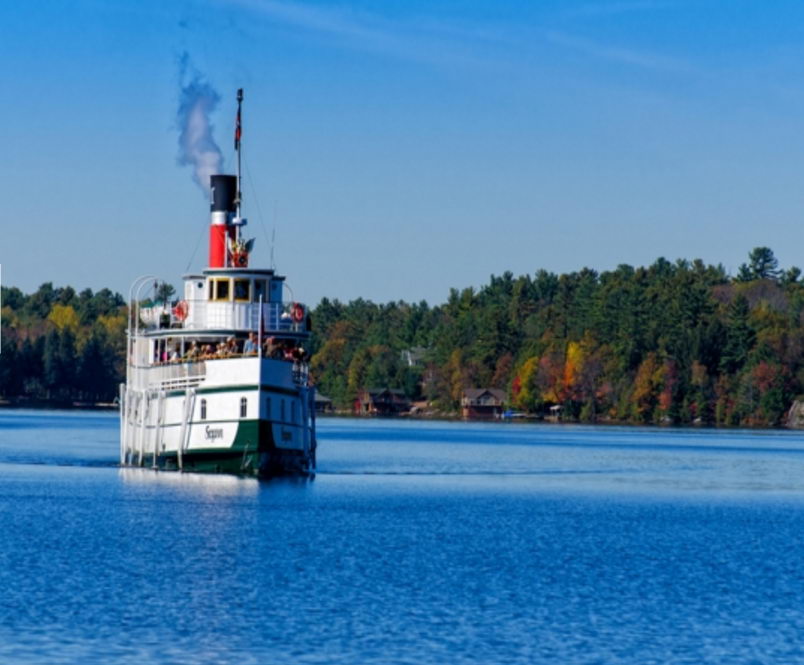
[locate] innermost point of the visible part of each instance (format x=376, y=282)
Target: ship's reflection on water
x=213, y=483
x=208, y=483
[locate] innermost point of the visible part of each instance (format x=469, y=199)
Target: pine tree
x=92, y=379
x=51, y=361
x=10, y=384
x=763, y=263
x=739, y=337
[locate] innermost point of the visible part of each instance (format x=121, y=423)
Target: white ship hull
x=245, y=415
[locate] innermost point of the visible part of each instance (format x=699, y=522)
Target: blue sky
x=398, y=149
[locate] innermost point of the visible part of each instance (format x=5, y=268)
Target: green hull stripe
x=234, y=389
x=285, y=423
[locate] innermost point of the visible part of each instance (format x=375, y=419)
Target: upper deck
x=234, y=300
x=202, y=316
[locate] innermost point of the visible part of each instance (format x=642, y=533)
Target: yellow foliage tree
x=64, y=316
x=9, y=317
x=573, y=368
x=356, y=374
x=114, y=325
x=455, y=375
x=527, y=395
x=647, y=385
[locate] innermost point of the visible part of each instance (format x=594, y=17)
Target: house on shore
x=482, y=403
x=323, y=404
x=381, y=402
x=555, y=413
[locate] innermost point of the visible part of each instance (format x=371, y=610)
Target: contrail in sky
x=197, y=147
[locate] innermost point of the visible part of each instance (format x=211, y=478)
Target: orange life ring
x=297, y=312
x=181, y=310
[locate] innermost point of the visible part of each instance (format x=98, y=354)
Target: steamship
x=218, y=381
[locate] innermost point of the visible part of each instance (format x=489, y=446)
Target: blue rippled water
x=416, y=543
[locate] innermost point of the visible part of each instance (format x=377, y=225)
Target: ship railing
x=178, y=376
x=277, y=318
x=301, y=374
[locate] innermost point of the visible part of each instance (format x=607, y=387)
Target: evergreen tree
x=739, y=337
x=791, y=276
x=763, y=263
x=744, y=273
x=52, y=368
x=164, y=292
x=94, y=380
x=68, y=361
x=40, y=302
x=31, y=368
x=10, y=374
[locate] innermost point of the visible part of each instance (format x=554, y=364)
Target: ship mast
x=238, y=134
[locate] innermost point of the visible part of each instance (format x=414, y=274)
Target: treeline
x=61, y=346
x=675, y=342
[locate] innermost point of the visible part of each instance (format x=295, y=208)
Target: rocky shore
x=795, y=417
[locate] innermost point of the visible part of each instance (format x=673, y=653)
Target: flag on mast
x=238, y=129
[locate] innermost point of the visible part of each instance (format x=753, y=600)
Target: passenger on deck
x=193, y=352
x=250, y=345
x=231, y=348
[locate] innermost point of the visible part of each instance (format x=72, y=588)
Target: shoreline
x=45, y=405
x=56, y=405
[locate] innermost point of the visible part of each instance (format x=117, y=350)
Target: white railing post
x=123, y=406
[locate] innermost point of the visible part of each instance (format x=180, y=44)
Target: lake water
x=417, y=542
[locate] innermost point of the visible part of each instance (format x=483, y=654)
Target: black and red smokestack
x=223, y=208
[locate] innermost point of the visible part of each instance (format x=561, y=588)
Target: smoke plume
x=197, y=147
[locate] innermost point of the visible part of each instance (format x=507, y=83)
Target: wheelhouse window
x=260, y=290
x=243, y=407
x=221, y=289
x=203, y=409
x=241, y=290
